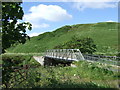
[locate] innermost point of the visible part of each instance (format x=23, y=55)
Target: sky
x=48, y=16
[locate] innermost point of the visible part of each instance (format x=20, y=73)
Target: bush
x=86, y=45
x=10, y=63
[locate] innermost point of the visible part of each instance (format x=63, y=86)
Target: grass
x=85, y=75
x=104, y=34
x=69, y=77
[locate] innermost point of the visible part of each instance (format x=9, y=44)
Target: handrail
x=64, y=54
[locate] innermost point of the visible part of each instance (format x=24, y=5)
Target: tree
x=12, y=32
x=86, y=45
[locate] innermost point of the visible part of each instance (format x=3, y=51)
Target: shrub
x=86, y=45
x=10, y=63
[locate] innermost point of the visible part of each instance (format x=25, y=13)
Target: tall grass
x=68, y=77
x=85, y=75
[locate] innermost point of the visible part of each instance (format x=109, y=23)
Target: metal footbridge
x=64, y=54
x=56, y=56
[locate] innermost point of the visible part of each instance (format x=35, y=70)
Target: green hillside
x=104, y=34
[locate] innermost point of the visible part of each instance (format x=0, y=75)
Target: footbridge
x=67, y=56
x=64, y=54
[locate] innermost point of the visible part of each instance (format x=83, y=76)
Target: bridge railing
x=104, y=59
x=68, y=54
x=76, y=55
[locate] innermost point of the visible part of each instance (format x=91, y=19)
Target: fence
x=104, y=59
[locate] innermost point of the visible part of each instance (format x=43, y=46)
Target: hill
x=104, y=34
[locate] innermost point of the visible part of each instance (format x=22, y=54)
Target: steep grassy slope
x=104, y=34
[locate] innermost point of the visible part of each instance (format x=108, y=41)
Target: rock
x=72, y=65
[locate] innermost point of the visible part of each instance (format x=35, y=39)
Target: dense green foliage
x=12, y=32
x=104, y=35
x=12, y=62
x=85, y=75
x=85, y=45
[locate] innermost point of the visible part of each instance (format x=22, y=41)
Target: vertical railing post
x=71, y=53
x=63, y=53
x=81, y=55
x=48, y=53
x=59, y=53
x=68, y=53
x=53, y=52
